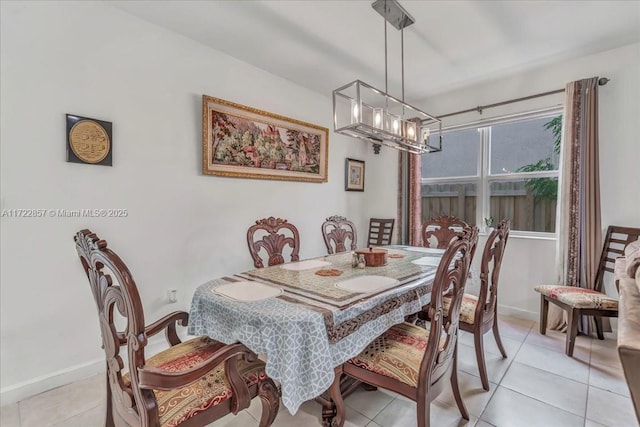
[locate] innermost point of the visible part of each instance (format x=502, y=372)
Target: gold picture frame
x=244, y=142
x=354, y=175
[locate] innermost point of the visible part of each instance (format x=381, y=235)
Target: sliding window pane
x=526, y=146
x=459, y=155
x=455, y=199
x=530, y=204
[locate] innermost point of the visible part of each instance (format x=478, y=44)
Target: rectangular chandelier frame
x=364, y=112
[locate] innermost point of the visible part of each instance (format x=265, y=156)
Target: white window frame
x=484, y=177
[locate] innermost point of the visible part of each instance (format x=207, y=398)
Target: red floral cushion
x=467, y=307
x=396, y=354
x=176, y=406
x=579, y=297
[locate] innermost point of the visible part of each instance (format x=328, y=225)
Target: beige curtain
x=578, y=223
x=414, y=193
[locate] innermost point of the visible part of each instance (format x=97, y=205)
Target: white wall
x=183, y=228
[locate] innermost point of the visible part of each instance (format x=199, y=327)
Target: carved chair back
x=450, y=280
x=181, y=392
x=380, y=231
x=616, y=239
x=490, y=271
x=443, y=229
x=336, y=232
x=276, y=234
x=102, y=266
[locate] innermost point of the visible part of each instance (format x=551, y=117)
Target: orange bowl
x=374, y=257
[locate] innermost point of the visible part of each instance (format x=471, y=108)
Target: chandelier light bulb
x=377, y=119
x=395, y=126
x=355, y=110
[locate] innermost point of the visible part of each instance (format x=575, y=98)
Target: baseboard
x=518, y=312
x=23, y=390
x=37, y=385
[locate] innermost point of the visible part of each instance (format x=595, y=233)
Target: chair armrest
x=151, y=377
x=168, y=324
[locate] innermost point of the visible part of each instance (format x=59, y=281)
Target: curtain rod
x=601, y=82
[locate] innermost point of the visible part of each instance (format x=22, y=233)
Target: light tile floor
x=537, y=385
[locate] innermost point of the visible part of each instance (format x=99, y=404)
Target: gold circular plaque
x=89, y=141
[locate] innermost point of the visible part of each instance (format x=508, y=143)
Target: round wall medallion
x=89, y=141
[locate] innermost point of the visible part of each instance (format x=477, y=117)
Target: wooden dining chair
x=336, y=232
x=441, y=229
x=416, y=362
x=594, y=302
x=479, y=318
x=272, y=235
x=380, y=231
x=190, y=384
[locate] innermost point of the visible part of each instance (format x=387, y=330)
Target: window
x=508, y=169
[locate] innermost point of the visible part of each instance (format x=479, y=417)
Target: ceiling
x=324, y=44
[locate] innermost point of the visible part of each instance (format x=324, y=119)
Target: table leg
x=333, y=408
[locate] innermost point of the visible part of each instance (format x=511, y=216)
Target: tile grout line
x=553, y=373
x=505, y=373
x=358, y=412
x=73, y=416
x=545, y=403
x=383, y=408
x=586, y=407
x=538, y=400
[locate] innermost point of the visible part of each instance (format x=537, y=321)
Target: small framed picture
x=354, y=175
x=89, y=141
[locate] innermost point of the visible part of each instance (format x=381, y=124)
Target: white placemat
x=427, y=261
x=367, y=284
x=305, y=265
x=247, y=291
x=427, y=250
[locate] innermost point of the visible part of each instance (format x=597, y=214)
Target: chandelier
x=362, y=111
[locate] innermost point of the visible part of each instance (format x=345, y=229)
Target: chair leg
x=572, y=330
x=482, y=367
x=544, y=311
x=455, y=386
x=109, y=417
x=424, y=413
x=599, y=330
x=496, y=335
x=369, y=387
x=270, y=398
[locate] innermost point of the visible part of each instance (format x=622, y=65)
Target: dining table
x=307, y=318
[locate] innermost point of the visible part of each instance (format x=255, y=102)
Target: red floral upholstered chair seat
x=579, y=297
x=397, y=353
x=178, y=405
x=467, y=308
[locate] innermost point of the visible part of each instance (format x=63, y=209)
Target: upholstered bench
x=628, y=280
